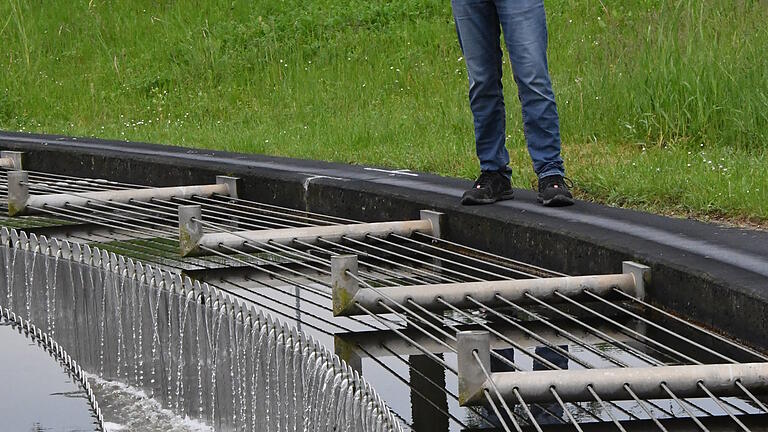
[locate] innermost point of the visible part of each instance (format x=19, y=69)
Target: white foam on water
x=129, y=408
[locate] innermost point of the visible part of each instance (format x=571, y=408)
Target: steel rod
x=439, y=270
x=468, y=258
x=317, y=216
x=527, y=410
x=695, y=327
x=712, y=396
x=425, y=273
x=497, y=393
x=640, y=403
x=663, y=329
x=542, y=272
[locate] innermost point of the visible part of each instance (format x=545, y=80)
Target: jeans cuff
x=552, y=172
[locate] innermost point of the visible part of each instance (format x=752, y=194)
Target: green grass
x=664, y=103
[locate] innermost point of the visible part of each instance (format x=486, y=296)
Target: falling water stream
x=196, y=350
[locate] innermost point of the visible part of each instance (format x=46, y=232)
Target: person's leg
x=478, y=29
x=525, y=34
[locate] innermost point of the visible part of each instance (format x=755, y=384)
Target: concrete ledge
x=714, y=275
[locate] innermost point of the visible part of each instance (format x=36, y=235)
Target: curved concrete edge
x=715, y=275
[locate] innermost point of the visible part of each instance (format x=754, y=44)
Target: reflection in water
x=38, y=393
x=544, y=414
x=428, y=401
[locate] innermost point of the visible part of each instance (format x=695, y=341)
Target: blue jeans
x=478, y=25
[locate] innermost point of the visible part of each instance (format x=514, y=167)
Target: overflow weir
x=386, y=325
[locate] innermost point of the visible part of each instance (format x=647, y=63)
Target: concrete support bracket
x=642, y=275
x=347, y=352
x=231, y=183
x=190, y=229
x=18, y=192
x=11, y=159
x=345, y=287
x=437, y=220
x=471, y=376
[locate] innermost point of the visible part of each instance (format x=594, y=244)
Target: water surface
x=37, y=392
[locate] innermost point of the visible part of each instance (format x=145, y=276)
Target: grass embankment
x=664, y=103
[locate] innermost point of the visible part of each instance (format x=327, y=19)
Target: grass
x=664, y=103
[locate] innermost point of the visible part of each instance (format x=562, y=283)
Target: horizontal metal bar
x=126, y=195
x=646, y=382
x=23, y=203
x=755, y=423
x=686, y=381
x=193, y=242
x=347, y=296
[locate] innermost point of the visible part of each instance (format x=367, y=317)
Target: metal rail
x=193, y=241
x=20, y=202
x=687, y=381
x=349, y=297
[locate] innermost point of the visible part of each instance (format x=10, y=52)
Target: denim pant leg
x=525, y=35
x=478, y=29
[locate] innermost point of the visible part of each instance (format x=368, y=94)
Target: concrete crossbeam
x=609, y=384
x=238, y=240
x=462, y=294
x=23, y=203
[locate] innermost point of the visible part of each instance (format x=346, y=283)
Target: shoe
x=553, y=191
x=490, y=187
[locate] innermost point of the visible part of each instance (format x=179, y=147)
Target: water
x=196, y=350
x=38, y=393
x=128, y=408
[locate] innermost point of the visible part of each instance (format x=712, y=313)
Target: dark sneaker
x=490, y=187
x=553, y=191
